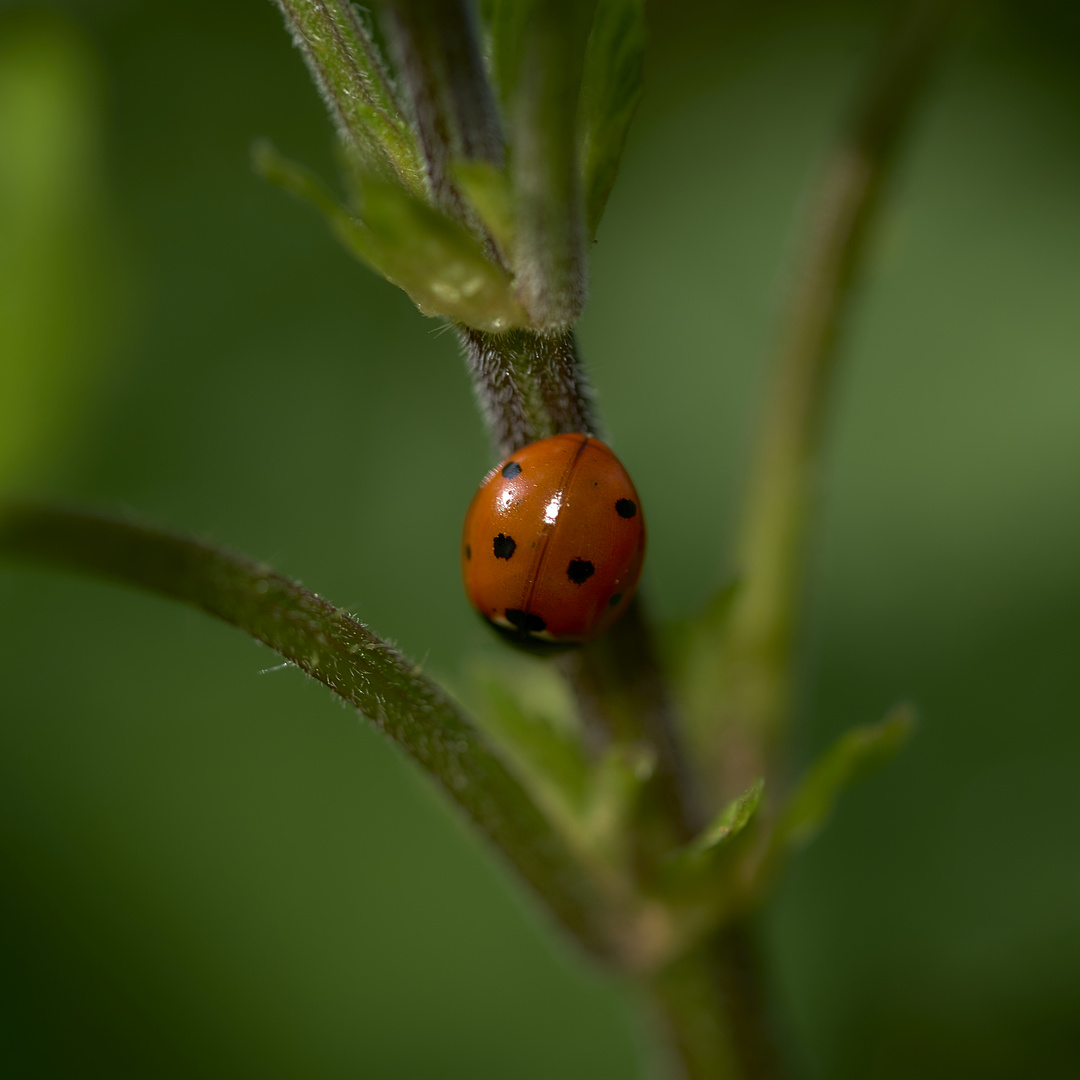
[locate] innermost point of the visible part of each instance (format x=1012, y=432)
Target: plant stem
x=712, y=999
x=529, y=385
x=332, y=647
x=442, y=75
x=347, y=68
x=541, y=107
x=712, y=1007
x=624, y=696
x=757, y=638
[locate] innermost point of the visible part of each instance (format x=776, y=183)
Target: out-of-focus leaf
x=546, y=755
x=59, y=270
x=487, y=189
x=438, y=262
x=334, y=648
x=856, y=753
x=610, y=90
x=300, y=181
x=699, y=860
x=696, y=650
x=591, y=802
x=617, y=782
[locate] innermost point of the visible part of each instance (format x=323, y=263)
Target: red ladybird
x=554, y=541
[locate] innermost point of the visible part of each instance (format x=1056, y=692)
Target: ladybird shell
x=554, y=541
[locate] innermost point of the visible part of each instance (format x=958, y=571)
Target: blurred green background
x=208, y=871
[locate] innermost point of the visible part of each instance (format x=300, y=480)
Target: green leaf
x=439, y=263
x=855, y=754
x=610, y=90
x=487, y=189
x=335, y=649
x=617, y=782
x=535, y=727
x=545, y=754
x=706, y=854
x=297, y=180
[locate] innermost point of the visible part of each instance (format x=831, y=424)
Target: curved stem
x=757, y=636
x=332, y=647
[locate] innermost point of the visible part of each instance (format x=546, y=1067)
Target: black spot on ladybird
x=615, y=599
x=511, y=469
x=625, y=508
x=580, y=570
x=468, y=551
x=528, y=622
x=504, y=546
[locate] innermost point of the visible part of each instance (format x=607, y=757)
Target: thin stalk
x=753, y=684
x=712, y=1000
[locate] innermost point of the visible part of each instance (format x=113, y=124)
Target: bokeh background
x=210, y=872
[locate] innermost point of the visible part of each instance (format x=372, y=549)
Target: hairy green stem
x=529, y=385
x=346, y=66
x=332, y=647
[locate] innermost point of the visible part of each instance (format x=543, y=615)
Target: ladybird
x=554, y=541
